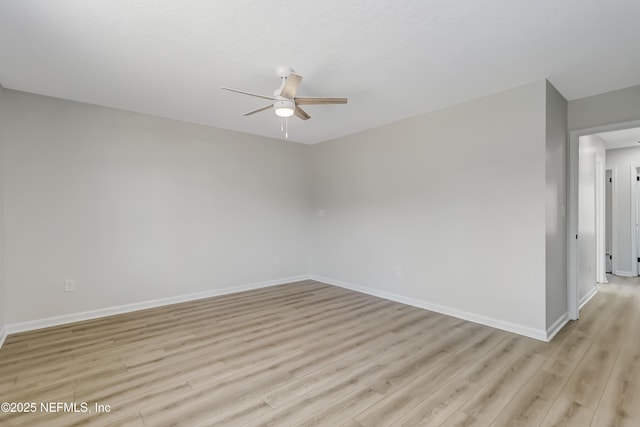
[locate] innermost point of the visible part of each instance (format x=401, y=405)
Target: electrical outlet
x=321, y=212
x=69, y=285
x=399, y=271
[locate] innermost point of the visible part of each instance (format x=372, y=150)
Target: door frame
x=600, y=176
x=614, y=239
x=634, y=188
x=572, y=203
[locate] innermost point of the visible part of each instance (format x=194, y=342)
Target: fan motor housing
x=283, y=71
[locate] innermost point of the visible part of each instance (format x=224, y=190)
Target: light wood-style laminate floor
x=310, y=354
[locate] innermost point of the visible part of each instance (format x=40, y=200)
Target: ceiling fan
x=284, y=100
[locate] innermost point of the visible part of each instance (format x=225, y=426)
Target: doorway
x=574, y=237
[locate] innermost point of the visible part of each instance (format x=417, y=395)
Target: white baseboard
x=472, y=317
x=557, y=325
x=14, y=328
x=624, y=273
x=127, y=308
x=3, y=335
x=585, y=299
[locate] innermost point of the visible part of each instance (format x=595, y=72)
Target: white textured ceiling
x=393, y=59
x=621, y=138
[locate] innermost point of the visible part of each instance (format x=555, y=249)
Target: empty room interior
x=279, y=213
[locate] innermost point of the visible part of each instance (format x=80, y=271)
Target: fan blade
x=310, y=100
x=266, y=107
x=299, y=112
x=249, y=93
x=291, y=86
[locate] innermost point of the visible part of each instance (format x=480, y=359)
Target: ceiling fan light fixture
x=284, y=108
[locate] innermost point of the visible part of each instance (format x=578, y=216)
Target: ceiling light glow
x=284, y=108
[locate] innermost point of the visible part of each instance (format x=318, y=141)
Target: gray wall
x=447, y=207
x=2, y=242
x=612, y=107
x=136, y=208
x=556, y=196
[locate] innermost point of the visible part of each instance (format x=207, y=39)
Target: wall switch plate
x=321, y=212
x=69, y=285
x=399, y=271
x=276, y=260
